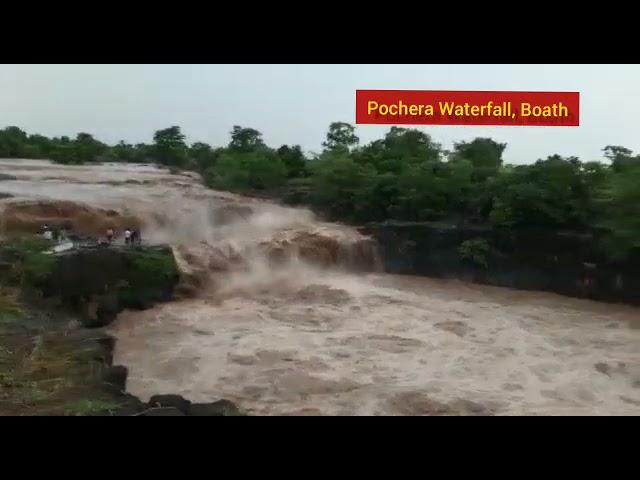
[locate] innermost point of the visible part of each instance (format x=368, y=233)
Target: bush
x=259, y=170
x=475, y=250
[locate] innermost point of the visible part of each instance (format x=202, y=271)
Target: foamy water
x=295, y=338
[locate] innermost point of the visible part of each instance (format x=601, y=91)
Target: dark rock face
x=100, y=282
x=221, y=408
x=568, y=263
x=116, y=376
x=75, y=372
x=163, y=412
x=175, y=401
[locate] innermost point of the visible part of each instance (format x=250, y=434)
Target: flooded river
x=290, y=315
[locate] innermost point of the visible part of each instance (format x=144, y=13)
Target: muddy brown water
x=309, y=338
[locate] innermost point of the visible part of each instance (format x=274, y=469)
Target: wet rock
x=163, y=412
x=129, y=405
x=108, y=308
x=99, y=283
x=174, y=401
x=99, y=310
x=116, y=376
x=221, y=408
x=107, y=345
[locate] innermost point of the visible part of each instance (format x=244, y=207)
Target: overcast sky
x=294, y=104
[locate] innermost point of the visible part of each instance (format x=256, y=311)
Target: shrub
x=475, y=250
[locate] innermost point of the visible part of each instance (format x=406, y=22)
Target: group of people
x=60, y=234
x=54, y=233
x=131, y=236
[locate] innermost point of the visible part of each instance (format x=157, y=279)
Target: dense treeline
x=403, y=176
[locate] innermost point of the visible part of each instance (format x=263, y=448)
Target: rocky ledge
x=53, y=361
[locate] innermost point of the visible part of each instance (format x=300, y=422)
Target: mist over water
x=285, y=314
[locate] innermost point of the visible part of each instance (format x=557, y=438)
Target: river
x=285, y=314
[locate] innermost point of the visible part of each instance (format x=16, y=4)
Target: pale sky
x=294, y=104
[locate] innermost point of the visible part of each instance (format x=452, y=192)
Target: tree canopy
x=405, y=175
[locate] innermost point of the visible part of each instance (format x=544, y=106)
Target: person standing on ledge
x=127, y=236
x=46, y=232
x=109, y=234
x=135, y=236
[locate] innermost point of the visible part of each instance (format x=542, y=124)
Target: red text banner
x=456, y=107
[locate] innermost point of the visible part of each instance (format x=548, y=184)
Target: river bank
x=568, y=263
x=55, y=357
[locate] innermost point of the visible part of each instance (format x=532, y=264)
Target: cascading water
x=285, y=314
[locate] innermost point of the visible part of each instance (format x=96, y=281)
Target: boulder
x=98, y=283
x=163, y=412
x=116, y=376
x=221, y=408
x=174, y=401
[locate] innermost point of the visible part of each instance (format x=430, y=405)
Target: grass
x=9, y=305
x=151, y=268
x=85, y=407
x=38, y=267
x=50, y=374
x=20, y=247
x=25, y=260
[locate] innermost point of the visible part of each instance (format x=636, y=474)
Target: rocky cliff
x=50, y=366
x=100, y=282
x=569, y=263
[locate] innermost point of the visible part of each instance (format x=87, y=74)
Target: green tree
x=475, y=250
x=294, y=160
x=412, y=145
x=341, y=136
x=485, y=155
x=169, y=147
x=39, y=145
x=12, y=142
x=261, y=170
x=622, y=211
x=87, y=149
x=400, y=148
x=123, y=152
x=339, y=185
x=423, y=194
x=245, y=139
x=204, y=156
x=621, y=158
x=556, y=192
